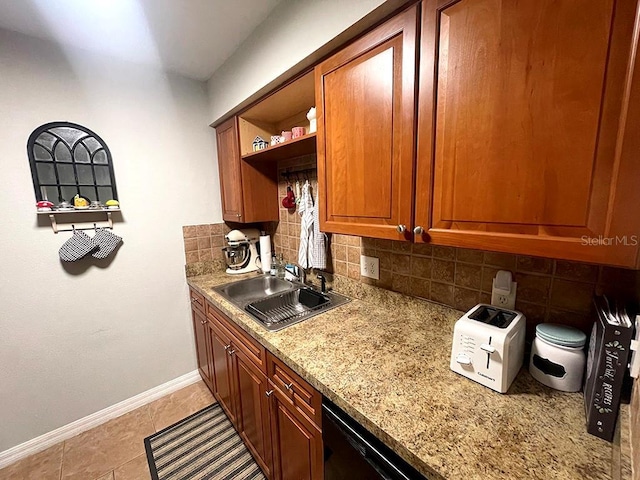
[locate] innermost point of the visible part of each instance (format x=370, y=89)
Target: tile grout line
x=64, y=445
x=151, y=419
x=113, y=471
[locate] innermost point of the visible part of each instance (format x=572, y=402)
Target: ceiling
x=190, y=37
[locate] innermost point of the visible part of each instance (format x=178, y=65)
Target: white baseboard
x=72, y=429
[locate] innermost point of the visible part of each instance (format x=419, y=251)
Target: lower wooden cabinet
x=224, y=390
x=297, y=441
x=276, y=413
x=253, y=410
x=203, y=350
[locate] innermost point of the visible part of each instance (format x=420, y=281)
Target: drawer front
x=197, y=300
x=306, y=398
x=241, y=339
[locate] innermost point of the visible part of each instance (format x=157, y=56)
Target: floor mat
x=203, y=446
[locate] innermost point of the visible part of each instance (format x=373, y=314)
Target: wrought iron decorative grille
x=68, y=159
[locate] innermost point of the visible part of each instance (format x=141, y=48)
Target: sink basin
x=277, y=303
x=245, y=291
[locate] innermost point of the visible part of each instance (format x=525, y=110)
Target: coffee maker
x=241, y=253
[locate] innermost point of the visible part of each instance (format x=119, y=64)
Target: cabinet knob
x=203, y=322
x=239, y=215
x=418, y=230
x=231, y=352
x=227, y=347
x=401, y=228
x=288, y=387
x=268, y=394
x=194, y=300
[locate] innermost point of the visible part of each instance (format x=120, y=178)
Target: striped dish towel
x=306, y=227
x=319, y=243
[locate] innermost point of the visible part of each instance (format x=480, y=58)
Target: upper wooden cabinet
x=528, y=128
x=249, y=189
x=248, y=179
x=365, y=101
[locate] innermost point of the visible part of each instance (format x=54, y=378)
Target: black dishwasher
x=352, y=453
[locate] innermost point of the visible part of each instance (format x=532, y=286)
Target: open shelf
x=280, y=111
x=297, y=147
x=83, y=211
x=84, y=219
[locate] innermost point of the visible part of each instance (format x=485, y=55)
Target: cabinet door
x=253, y=410
x=201, y=333
x=365, y=105
x=525, y=128
x=223, y=372
x=297, y=442
x=304, y=397
x=229, y=167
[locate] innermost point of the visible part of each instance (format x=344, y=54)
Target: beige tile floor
x=115, y=449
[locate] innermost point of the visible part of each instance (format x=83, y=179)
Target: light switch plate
x=370, y=267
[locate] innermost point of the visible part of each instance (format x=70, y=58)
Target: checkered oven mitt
x=106, y=241
x=78, y=246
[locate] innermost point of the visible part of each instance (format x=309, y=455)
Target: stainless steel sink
x=277, y=303
x=245, y=291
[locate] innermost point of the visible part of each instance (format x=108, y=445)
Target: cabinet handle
x=231, y=352
x=203, y=322
x=268, y=394
x=418, y=230
x=194, y=300
x=227, y=347
x=288, y=387
x=401, y=228
x=239, y=215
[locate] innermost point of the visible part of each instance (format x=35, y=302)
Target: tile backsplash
x=203, y=242
x=203, y=247
x=548, y=290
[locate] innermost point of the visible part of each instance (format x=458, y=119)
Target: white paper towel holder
x=265, y=252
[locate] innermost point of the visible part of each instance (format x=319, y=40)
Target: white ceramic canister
x=557, y=356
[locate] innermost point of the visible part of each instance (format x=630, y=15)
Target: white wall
x=74, y=343
x=293, y=30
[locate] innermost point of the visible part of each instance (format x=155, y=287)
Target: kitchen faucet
x=298, y=272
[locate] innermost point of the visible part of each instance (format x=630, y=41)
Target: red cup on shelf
x=297, y=132
x=287, y=135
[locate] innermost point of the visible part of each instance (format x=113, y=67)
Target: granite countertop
x=384, y=359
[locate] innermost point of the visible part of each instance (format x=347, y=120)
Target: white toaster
x=488, y=346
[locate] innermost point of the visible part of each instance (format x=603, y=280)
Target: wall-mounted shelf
x=280, y=111
x=80, y=219
x=293, y=148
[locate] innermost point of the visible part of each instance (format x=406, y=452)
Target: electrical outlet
x=505, y=301
x=370, y=267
